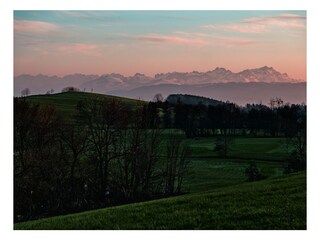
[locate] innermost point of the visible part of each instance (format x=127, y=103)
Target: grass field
x=278, y=203
x=215, y=173
x=65, y=102
x=208, y=171
x=243, y=147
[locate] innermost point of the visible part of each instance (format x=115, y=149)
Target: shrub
x=253, y=173
x=223, y=145
x=70, y=89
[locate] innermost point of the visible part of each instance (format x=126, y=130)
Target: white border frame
x=6, y=103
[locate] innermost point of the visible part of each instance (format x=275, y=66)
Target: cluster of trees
x=70, y=89
x=105, y=155
x=276, y=120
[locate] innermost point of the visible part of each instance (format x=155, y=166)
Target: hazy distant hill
x=240, y=93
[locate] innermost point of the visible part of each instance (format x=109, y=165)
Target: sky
x=150, y=42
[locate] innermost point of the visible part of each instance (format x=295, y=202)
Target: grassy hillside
x=65, y=102
x=208, y=171
x=207, y=174
x=242, y=148
x=278, y=203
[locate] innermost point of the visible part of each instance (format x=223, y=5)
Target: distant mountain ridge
x=222, y=75
x=251, y=85
x=40, y=84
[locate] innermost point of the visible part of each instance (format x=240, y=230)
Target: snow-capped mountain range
x=40, y=84
x=222, y=75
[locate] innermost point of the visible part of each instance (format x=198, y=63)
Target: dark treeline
x=255, y=120
x=107, y=154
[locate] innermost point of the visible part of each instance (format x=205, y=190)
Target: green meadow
x=278, y=203
x=218, y=195
x=208, y=171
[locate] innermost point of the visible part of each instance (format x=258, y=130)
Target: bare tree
x=183, y=166
x=74, y=141
x=35, y=157
x=100, y=118
x=223, y=145
x=24, y=116
x=177, y=163
x=25, y=92
x=297, y=157
x=158, y=97
x=138, y=167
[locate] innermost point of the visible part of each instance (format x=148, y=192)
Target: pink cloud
x=243, y=28
x=283, y=20
x=172, y=39
x=28, y=41
x=196, y=39
x=291, y=16
x=181, y=33
x=34, y=27
x=79, y=48
x=220, y=40
x=231, y=41
x=261, y=24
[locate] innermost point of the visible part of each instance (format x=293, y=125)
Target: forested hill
x=192, y=100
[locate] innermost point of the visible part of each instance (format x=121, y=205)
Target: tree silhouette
x=158, y=97
x=25, y=92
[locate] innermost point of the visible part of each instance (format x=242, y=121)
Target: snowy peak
x=139, y=78
x=107, y=82
x=222, y=75
x=40, y=84
x=264, y=74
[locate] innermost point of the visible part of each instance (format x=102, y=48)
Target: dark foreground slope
x=278, y=203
